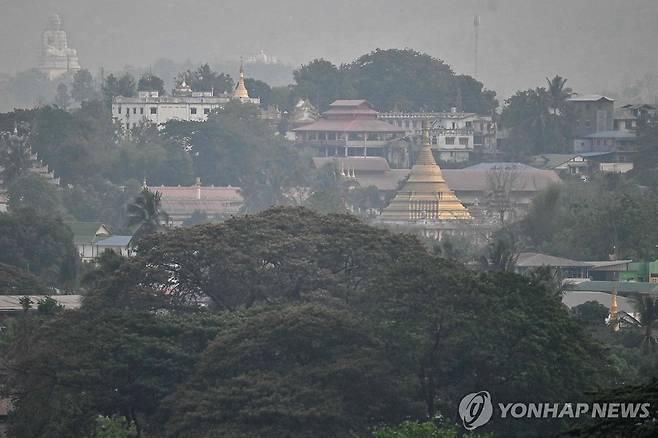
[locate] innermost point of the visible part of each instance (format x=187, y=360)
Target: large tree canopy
x=303, y=370
x=394, y=79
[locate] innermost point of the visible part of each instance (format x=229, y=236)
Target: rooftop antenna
x=476, y=26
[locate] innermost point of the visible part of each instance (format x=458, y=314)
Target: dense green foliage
x=301, y=370
x=80, y=365
x=324, y=326
x=592, y=220
x=403, y=80
x=16, y=281
x=414, y=429
x=40, y=244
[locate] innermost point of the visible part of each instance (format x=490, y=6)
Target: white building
x=454, y=135
x=184, y=104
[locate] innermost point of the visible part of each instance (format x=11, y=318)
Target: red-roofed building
x=349, y=128
x=216, y=202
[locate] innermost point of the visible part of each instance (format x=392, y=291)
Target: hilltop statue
x=56, y=58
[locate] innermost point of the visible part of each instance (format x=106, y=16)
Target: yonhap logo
x=475, y=409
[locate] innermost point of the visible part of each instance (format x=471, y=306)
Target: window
x=154, y=110
x=141, y=110
x=135, y=110
x=588, y=123
x=193, y=110
x=454, y=125
x=463, y=141
x=434, y=140
x=206, y=111
x=331, y=136
x=128, y=126
x=119, y=110
x=628, y=124
x=450, y=140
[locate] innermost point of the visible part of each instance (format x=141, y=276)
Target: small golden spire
x=614, y=310
x=241, y=91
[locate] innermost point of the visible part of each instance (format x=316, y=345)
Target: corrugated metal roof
x=500, y=165
x=534, y=259
x=623, y=287
x=612, y=134
x=11, y=303
x=575, y=298
x=589, y=98
x=115, y=241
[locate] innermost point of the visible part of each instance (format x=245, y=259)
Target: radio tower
x=476, y=25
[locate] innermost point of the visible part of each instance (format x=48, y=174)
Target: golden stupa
x=241, y=91
x=425, y=195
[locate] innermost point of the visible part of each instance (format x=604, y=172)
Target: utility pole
x=476, y=26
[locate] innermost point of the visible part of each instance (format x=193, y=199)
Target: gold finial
x=614, y=310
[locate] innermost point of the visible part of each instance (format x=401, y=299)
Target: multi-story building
x=455, y=135
x=184, y=104
x=593, y=113
x=350, y=128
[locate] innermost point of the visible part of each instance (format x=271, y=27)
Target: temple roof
x=425, y=195
x=351, y=125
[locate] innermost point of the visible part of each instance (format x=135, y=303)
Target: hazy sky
x=597, y=44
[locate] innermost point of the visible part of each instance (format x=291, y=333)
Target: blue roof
x=115, y=241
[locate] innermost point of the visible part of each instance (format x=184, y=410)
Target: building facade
x=183, y=104
x=350, y=128
x=455, y=136
x=181, y=202
x=593, y=113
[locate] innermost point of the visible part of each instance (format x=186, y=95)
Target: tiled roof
x=204, y=192
x=348, y=102
x=354, y=125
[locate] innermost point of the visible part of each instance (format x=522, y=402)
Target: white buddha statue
x=56, y=57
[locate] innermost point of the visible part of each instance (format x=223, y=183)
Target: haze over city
x=597, y=44
x=336, y=219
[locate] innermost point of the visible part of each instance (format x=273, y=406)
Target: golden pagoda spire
x=425, y=195
x=241, y=91
x=614, y=310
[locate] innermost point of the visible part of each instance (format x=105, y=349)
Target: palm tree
x=647, y=307
x=557, y=93
x=145, y=213
x=501, y=254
